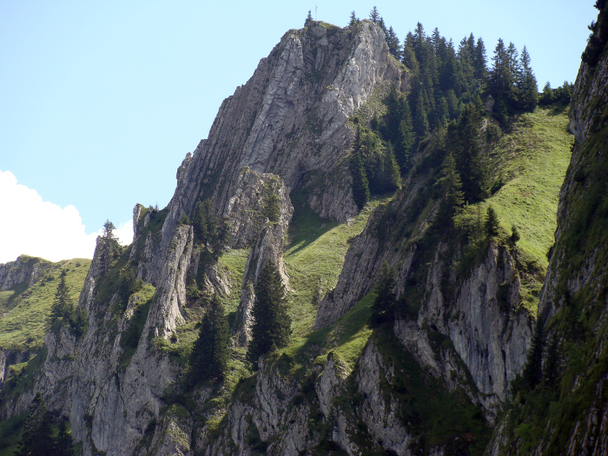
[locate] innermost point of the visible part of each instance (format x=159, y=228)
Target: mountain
x=564, y=409
x=430, y=312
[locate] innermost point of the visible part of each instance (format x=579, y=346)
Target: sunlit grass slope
x=533, y=160
x=314, y=259
x=24, y=311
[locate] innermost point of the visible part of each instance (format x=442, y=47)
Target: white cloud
x=43, y=229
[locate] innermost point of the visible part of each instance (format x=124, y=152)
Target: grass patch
x=24, y=311
x=532, y=161
x=345, y=339
x=233, y=263
x=314, y=258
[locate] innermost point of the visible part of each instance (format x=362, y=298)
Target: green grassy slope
x=531, y=162
x=314, y=259
x=24, y=311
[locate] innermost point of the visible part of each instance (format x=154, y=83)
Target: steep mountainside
x=27, y=290
x=411, y=316
x=562, y=406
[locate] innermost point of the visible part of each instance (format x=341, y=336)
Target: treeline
x=452, y=87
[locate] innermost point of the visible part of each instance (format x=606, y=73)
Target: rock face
x=289, y=120
x=24, y=271
x=480, y=313
x=286, y=128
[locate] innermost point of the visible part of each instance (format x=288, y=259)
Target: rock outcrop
x=24, y=271
x=289, y=120
x=286, y=128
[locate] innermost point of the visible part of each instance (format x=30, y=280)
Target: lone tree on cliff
x=272, y=326
x=209, y=357
x=62, y=304
x=107, y=241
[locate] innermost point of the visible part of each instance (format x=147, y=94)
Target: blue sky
x=100, y=101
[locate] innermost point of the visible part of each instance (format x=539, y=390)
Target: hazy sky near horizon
x=101, y=101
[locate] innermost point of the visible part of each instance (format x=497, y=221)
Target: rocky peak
x=289, y=119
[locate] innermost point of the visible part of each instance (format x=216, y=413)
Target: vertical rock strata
x=286, y=128
x=290, y=120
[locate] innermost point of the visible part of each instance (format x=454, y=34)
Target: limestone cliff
x=289, y=120
x=24, y=270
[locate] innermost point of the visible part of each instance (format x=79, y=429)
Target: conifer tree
x=201, y=221
x=374, y=15
x=209, y=229
x=551, y=368
x=382, y=25
x=108, y=244
x=492, y=224
x=108, y=230
x=453, y=104
x=467, y=147
x=209, y=356
x=390, y=171
x=466, y=52
x=526, y=83
x=361, y=192
x=37, y=437
x=479, y=61
x=383, y=307
x=308, y=20
x=79, y=321
x=451, y=188
x=409, y=55
x=443, y=112
x=64, y=446
x=533, y=371
x=398, y=129
x=392, y=41
x=449, y=69
x=271, y=323
x=548, y=96
x=62, y=304
x=502, y=80
x=421, y=120
x=515, y=236
x=354, y=20
x=405, y=140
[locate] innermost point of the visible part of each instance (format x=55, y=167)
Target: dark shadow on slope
x=306, y=225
